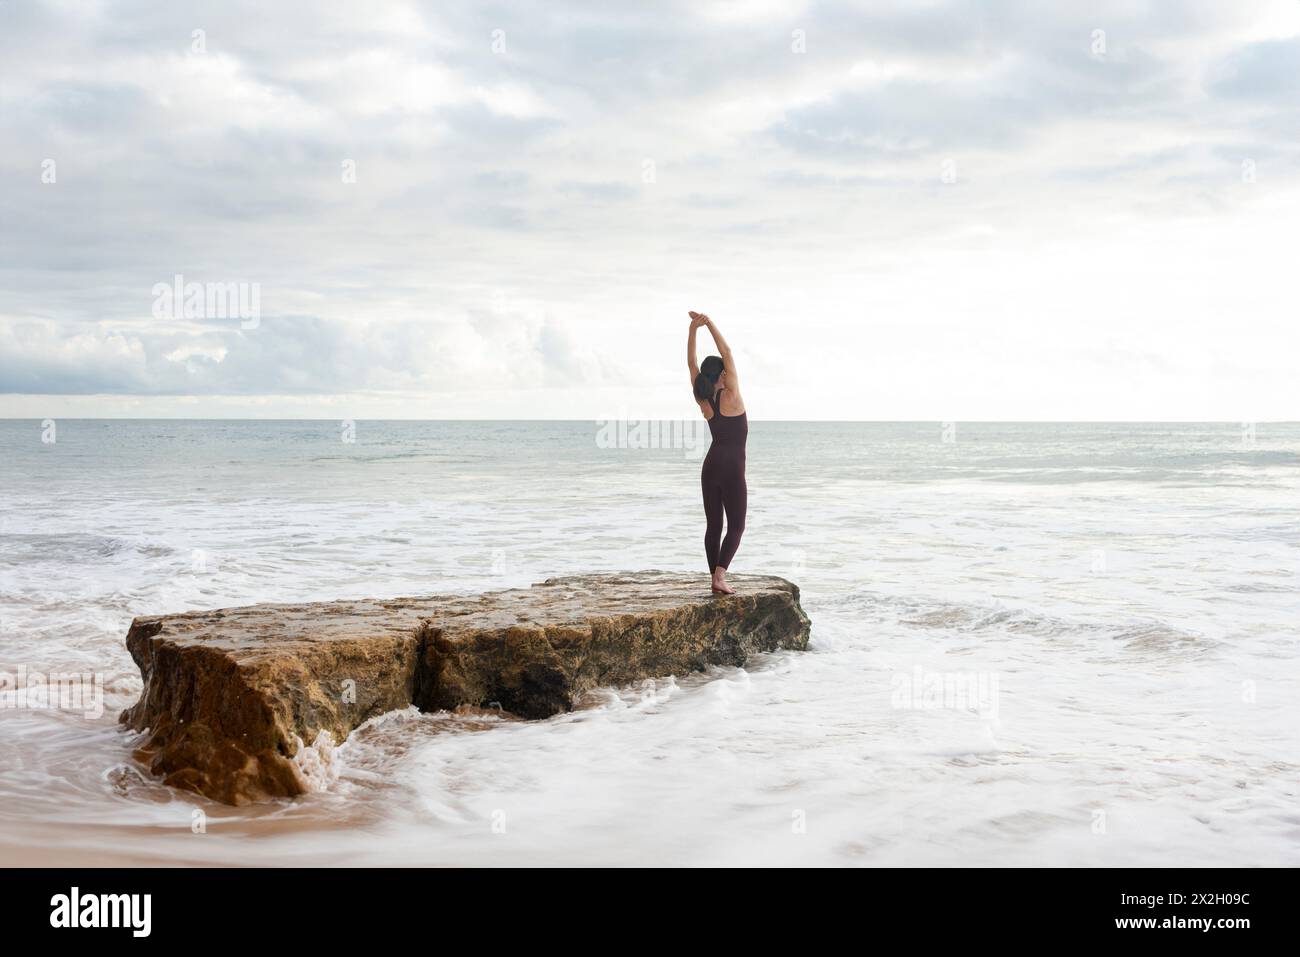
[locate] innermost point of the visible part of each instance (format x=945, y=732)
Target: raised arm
x=691, y=363
x=724, y=350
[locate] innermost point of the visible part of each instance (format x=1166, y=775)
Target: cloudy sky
x=931, y=209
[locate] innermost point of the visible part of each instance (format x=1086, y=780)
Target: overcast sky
x=914, y=210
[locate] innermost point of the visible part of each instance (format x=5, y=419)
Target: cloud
x=288, y=355
x=1267, y=72
x=591, y=169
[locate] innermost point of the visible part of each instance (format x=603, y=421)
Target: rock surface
x=231, y=696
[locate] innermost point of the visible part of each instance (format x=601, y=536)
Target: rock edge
x=231, y=696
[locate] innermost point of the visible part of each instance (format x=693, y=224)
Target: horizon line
x=930, y=421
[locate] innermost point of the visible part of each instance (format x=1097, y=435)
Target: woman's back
x=727, y=429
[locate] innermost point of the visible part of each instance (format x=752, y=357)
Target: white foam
x=317, y=762
x=1144, y=669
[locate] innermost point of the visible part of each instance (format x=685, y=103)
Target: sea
x=1032, y=644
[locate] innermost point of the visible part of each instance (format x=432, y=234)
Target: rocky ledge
x=231, y=697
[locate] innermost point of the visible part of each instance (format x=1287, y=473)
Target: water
x=1123, y=602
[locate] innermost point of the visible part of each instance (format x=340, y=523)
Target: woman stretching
x=717, y=392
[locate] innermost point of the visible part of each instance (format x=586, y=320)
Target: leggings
x=723, y=482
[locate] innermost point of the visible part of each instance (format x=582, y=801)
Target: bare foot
x=720, y=586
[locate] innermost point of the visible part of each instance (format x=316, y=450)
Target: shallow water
x=1033, y=644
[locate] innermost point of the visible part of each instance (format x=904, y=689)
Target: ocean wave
x=73, y=548
x=1135, y=636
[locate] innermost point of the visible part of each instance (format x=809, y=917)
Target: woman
x=722, y=479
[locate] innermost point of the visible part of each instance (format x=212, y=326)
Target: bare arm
x=724, y=350
x=690, y=351
x=697, y=320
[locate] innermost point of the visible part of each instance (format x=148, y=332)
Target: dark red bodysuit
x=722, y=480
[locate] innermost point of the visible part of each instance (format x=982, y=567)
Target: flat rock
x=232, y=696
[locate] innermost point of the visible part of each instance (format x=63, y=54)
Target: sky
x=926, y=210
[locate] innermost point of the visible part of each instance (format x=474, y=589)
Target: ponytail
x=704, y=387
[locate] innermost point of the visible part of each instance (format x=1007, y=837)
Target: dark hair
x=710, y=370
x=703, y=387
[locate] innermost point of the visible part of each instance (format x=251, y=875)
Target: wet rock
x=232, y=697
